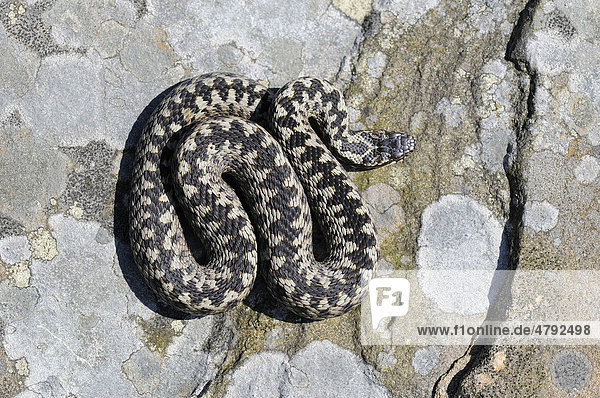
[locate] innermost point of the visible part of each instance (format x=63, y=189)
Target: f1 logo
x=388, y=297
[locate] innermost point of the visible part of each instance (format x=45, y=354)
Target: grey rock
x=103, y=236
x=90, y=186
x=386, y=359
x=425, y=360
x=408, y=11
x=18, y=65
x=33, y=172
x=453, y=113
x=74, y=329
x=545, y=171
x=66, y=105
x=126, y=97
x=72, y=25
x=14, y=249
x=16, y=303
x=76, y=76
x=587, y=170
x=274, y=338
x=146, y=52
x=87, y=361
x=143, y=370
x=540, y=216
x=321, y=369
x=496, y=135
x=8, y=106
x=566, y=105
x=458, y=233
x=141, y=7
x=261, y=375
x=376, y=65
x=90, y=24
x=24, y=22
x=383, y=204
x=48, y=388
x=322, y=363
x=498, y=85
x=9, y=227
x=556, y=43
x=571, y=370
x=109, y=39
x=188, y=365
x=124, y=12
x=267, y=40
x=487, y=16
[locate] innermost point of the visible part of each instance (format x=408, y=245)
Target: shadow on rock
x=260, y=300
x=130, y=271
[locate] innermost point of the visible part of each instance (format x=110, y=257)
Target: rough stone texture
x=305, y=374
x=502, y=96
x=78, y=304
x=90, y=189
x=14, y=249
x=33, y=172
x=425, y=359
x=555, y=188
x=273, y=40
x=65, y=106
x=457, y=233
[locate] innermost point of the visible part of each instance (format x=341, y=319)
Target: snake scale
x=251, y=169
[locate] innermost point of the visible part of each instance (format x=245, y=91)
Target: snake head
x=393, y=146
x=375, y=149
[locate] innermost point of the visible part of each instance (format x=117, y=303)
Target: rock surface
x=502, y=96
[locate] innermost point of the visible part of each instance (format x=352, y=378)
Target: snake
x=254, y=171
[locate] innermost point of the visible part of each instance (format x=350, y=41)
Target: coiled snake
x=249, y=195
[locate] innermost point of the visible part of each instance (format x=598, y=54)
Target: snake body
x=251, y=193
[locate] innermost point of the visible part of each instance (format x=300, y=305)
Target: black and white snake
x=283, y=174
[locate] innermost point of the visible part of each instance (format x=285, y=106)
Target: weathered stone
x=14, y=249
x=408, y=11
x=66, y=104
x=425, y=360
x=355, y=9
x=503, y=98
x=18, y=65
x=319, y=365
x=43, y=244
x=270, y=40
x=540, y=216
x=74, y=317
x=33, y=172
x=383, y=203
x=146, y=52
x=24, y=22
x=143, y=370
x=556, y=43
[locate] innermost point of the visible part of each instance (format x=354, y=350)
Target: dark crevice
x=515, y=50
x=369, y=27
x=513, y=167
x=221, y=338
x=141, y=7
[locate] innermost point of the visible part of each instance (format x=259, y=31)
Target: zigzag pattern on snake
x=284, y=172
